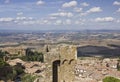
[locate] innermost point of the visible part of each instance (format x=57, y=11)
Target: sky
x=59, y=14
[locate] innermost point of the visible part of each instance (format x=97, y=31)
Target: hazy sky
x=59, y=14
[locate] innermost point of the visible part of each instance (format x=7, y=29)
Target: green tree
x=35, y=56
x=111, y=79
x=19, y=68
x=28, y=78
x=3, y=63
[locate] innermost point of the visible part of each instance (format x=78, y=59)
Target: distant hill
x=98, y=50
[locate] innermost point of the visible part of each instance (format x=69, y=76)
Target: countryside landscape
x=59, y=41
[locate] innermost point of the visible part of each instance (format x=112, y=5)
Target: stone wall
x=68, y=57
x=14, y=50
x=61, y=63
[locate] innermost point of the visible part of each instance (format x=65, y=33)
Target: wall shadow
x=55, y=66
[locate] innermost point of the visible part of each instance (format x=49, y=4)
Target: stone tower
x=63, y=69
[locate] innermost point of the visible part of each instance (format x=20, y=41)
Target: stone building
x=15, y=50
x=63, y=68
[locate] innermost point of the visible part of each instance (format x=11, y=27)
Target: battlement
x=68, y=53
x=63, y=69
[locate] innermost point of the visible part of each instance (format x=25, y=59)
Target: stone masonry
x=63, y=69
x=61, y=62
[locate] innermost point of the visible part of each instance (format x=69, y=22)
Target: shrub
x=28, y=78
x=3, y=63
x=35, y=56
x=111, y=79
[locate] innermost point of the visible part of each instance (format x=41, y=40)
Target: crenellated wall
x=68, y=57
x=63, y=60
